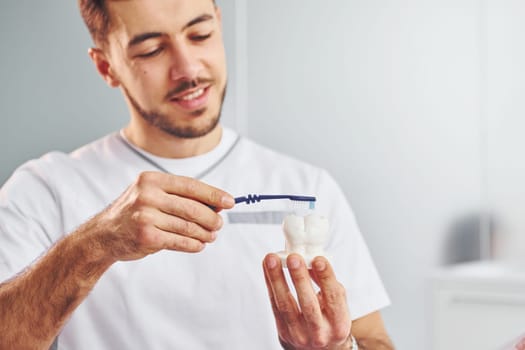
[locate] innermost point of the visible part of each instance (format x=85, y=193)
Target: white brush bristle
x=302, y=208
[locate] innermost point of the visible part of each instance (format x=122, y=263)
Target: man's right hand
x=161, y=211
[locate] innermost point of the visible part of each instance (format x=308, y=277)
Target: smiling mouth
x=194, y=99
x=191, y=96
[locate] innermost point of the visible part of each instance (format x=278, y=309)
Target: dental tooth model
x=306, y=236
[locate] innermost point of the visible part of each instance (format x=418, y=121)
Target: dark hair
x=97, y=19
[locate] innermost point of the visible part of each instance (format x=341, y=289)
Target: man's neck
x=162, y=144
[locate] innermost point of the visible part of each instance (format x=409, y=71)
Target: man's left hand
x=313, y=320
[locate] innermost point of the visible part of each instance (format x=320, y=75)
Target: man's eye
x=151, y=53
x=200, y=37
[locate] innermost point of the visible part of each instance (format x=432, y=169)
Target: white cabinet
x=478, y=306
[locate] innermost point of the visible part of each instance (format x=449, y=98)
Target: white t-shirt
x=215, y=299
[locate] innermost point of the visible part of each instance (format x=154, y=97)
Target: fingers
x=175, y=225
x=280, y=323
x=191, y=188
x=317, y=320
x=155, y=230
x=333, y=296
x=181, y=243
x=163, y=211
x=184, y=198
x=287, y=314
x=308, y=301
x=191, y=211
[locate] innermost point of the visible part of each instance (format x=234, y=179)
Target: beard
x=168, y=125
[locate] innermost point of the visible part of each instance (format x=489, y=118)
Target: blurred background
x=416, y=107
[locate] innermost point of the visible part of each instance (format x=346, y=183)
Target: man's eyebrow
x=201, y=18
x=139, y=38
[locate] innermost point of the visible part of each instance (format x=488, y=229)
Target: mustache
x=187, y=85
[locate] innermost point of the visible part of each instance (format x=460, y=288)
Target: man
x=141, y=248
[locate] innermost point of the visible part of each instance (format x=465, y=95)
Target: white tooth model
x=306, y=236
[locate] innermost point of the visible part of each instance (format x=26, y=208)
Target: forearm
x=347, y=345
x=382, y=343
x=36, y=304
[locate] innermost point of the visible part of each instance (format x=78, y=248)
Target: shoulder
x=108, y=148
x=61, y=163
x=56, y=169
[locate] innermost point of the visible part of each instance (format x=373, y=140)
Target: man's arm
x=36, y=303
x=370, y=333
x=159, y=211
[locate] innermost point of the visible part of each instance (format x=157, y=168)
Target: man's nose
x=185, y=65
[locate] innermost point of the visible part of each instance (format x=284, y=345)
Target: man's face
x=168, y=57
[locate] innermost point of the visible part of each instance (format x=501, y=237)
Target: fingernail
x=271, y=263
x=293, y=263
x=319, y=265
x=227, y=201
x=213, y=235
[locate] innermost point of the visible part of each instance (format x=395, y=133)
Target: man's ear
x=103, y=66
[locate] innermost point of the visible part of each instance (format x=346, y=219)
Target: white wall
x=386, y=95
x=50, y=95
x=506, y=122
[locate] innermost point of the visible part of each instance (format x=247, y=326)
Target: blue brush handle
x=253, y=198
